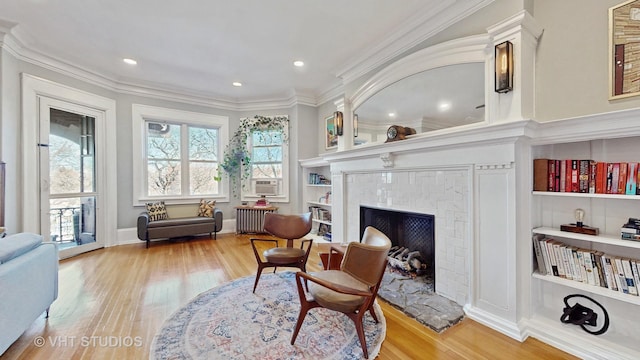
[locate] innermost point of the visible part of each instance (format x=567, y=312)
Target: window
x=269, y=165
x=178, y=159
x=167, y=146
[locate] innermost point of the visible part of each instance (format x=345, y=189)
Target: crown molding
x=330, y=94
x=12, y=40
x=413, y=32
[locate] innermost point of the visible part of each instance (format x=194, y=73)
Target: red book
x=556, y=186
x=568, y=179
x=563, y=175
x=622, y=178
x=552, y=176
x=601, y=178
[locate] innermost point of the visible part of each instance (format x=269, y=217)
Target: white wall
x=572, y=67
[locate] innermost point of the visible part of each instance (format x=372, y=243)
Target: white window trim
x=141, y=114
x=282, y=198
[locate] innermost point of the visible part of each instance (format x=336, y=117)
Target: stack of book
x=631, y=230
x=319, y=213
x=318, y=179
x=586, y=266
x=586, y=176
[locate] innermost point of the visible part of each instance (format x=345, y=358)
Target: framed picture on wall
x=330, y=133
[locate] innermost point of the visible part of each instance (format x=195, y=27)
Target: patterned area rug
x=230, y=322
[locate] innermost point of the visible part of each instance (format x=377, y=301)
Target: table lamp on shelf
x=579, y=227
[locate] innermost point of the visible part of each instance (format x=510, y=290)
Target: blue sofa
x=28, y=283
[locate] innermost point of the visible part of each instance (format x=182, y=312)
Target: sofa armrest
x=217, y=215
x=143, y=223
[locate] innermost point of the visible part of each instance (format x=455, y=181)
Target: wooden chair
x=351, y=290
x=289, y=227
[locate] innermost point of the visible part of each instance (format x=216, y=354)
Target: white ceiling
x=202, y=46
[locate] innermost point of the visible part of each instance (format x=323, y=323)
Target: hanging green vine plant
x=236, y=162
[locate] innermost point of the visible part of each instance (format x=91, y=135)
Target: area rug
x=231, y=322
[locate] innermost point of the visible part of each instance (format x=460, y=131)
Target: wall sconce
x=355, y=125
x=337, y=122
x=504, y=67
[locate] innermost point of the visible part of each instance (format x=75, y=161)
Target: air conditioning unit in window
x=266, y=187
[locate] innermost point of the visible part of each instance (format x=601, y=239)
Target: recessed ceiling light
x=444, y=106
x=237, y=83
x=392, y=115
x=298, y=63
x=130, y=61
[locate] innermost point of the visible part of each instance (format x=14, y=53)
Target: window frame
x=141, y=114
x=247, y=192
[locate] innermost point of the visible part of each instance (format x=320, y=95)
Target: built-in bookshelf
x=608, y=212
x=317, y=197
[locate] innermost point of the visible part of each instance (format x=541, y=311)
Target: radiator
x=251, y=219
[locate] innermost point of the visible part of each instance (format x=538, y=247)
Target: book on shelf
x=609, y=275
x=583, y=175
x=552, y=257
x=542, y=268
x=636, y=275
x=628, y=275
x=586, y=176
x=631, y=230
x=632, y=179
x=318, y=179
x=591, y=267
x=597, y=264
x=620, y=279
x=540, y=174
x=319, y=213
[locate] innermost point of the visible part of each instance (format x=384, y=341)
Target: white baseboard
x=130, y=235
x=510, y=329
x=573, y=341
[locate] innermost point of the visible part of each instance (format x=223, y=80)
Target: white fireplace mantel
x=476, y=180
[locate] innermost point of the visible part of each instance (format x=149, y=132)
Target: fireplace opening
x=412, y=237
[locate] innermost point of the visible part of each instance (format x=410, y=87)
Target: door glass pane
x=72, y=221
x=71, y=153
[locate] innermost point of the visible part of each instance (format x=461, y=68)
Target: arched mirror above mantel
x=436, y=88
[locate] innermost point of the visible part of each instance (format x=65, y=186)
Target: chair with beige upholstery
x=351, y=290
x=289, y=227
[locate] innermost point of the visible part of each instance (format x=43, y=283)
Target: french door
x=68, y=167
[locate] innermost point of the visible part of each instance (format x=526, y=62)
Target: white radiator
x=251, y=219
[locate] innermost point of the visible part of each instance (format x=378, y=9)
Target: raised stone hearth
x=416, y=297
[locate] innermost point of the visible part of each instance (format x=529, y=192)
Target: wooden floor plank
x=126, y=292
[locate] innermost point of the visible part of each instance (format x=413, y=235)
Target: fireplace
x=406, y=230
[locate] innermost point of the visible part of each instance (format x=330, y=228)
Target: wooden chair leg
x=373, y=313
x=360, y=330
x=301, y=316
x=260, y=268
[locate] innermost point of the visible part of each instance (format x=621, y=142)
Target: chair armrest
x=143, y=223
x=333, y=286
x=217, y=215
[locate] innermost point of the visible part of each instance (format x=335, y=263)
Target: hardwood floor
x=111, y=303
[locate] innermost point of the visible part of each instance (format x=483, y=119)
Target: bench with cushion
x=156, y=224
